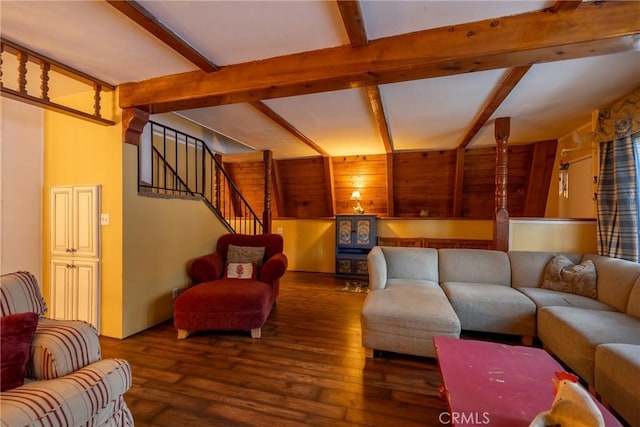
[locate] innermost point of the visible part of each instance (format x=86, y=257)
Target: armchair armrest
x=274, y=268
x=377, y=266
x=60, y=347
x=79, y=398
x=206, y=268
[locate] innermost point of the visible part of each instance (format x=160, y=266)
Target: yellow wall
x=160, y=237
x=553, y=235
x=436, y=228
x=78, y=152
x=308, y=243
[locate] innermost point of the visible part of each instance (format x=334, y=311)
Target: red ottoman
x=228, y=304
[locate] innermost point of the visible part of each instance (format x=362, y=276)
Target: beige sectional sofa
x=417, y=293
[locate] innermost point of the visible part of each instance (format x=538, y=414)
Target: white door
x=75, y=290
x=61, y=221
x=86, y=221
x=60, y=289
x=86, y=301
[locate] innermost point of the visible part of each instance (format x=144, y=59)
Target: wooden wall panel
x=478, y=194
x=367, y=174
x=249, y=178
x=424, y=180
x=304, y=188
x=421, y=180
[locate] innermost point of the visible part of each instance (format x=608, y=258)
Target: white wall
x=21, y=180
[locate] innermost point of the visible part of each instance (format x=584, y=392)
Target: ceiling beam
x=373, y=92
x=146, y=20
x=508, y=83
x=277, y=118
x=564, y=5
x=593, y=29
x=353, y=22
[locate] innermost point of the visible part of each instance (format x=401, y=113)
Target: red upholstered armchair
x=218, y=302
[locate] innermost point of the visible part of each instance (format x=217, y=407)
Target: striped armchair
x=67, y=383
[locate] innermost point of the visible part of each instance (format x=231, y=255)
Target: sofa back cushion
x=527, y=267
x=474, y=266
x=411, y=263
x=616, y=277
x=633, y=308
x=19, y=293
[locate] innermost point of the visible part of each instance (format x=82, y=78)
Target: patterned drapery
x=617, y=198
x=620, y=119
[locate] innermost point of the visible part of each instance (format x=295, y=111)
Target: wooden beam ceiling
x=504, y=88
x=373, y=92
x=512, y=41
x=146, y=20
x=278, y=119
x=353, y=22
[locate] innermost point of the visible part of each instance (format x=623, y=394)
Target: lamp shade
x=356, y=195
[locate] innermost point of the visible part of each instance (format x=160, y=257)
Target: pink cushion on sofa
x=17, y=332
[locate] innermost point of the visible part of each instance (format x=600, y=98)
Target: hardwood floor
x=307, y=369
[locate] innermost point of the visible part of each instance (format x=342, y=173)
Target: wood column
x=267, y=155
x=133, y=122
x=501, y=229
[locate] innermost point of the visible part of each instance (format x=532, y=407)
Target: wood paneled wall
x=304, y=188
x=367, y=174
x=421, y=181
x=424, y=181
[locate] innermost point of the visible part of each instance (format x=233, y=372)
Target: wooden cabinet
x=355, y=236
x=75, y=290
x=75, y=216
x=75, y=254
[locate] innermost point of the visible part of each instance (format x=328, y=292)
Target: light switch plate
x=104, y=219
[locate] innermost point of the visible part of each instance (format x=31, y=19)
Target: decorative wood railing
x=12, y=52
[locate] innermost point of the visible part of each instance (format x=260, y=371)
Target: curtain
x=618, y=132
x=618, y=216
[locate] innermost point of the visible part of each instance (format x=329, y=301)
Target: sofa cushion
x=19, y=293
x=573, y=334
x=492, y=308
x=474, y=266
x=411, y=263
x=60, y=347
x=633, y=307
x=617, y=375
x=17, y=332
x=561, y=274
x=616, y=277
x=240, y=270
x=527, y=267
x=406, y=315
x=546, y=297
x=244, y=254
x=226, y=304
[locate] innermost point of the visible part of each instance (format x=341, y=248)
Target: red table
x=496, y=384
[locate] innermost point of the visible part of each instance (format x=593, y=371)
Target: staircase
x=174, y=164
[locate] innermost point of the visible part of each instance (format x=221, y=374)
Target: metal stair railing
x=174, y=164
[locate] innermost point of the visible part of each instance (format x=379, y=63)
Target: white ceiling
x=552, y=99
